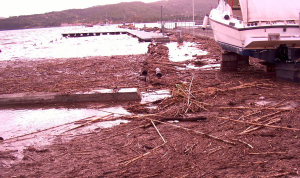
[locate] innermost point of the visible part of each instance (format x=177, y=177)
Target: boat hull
x=258, y=41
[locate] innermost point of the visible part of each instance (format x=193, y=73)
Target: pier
x=141, y=35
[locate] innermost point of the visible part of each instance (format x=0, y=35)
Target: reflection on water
x=26, y=127
x=37, y=127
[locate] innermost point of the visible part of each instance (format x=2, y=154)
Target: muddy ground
x=216, y=124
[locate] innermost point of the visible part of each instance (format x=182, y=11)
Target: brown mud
x=232, y=124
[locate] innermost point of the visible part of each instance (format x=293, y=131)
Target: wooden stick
x=143, y=155
x=158, y=131
x=189, y=94
x=190, y=147
x=246, y=85
x=243, y=142
x=250, y=114
x=264, y=125
x=202, y=133
x=202, y=107
x=279, y=104
x=267, y=153
x=141, y=126
x=202, y=103
x=218, y=149
x=280, y=174
x=141, y=116
x=180, y=89
x=188, y=107
x=190, y=119
x=268, y=115
x=268, y=120
x=256, y=128
x=283, y=109
x=82, y=125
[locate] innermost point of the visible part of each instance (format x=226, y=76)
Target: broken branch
x=158, y=131
x=198, y=132
x=143, y=155
x=92, y=121
x=264, y=125
x=282, y=109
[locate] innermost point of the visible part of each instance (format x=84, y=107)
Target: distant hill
x=115, y=13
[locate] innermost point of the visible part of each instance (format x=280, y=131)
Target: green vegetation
x=116, y=13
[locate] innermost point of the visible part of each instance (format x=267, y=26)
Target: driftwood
x=143, y=155
x=158, y=132
x=141, y=126
x=267, y=153
x=184, y=119
x=273, y=121
x=215, y=150
x=198, y=132
x=190, y=148
x=89, y=122
x=257, y=124
x=241, y=141
x=279, y=174
x=279, y=109
x=189, y=95
x=268, y=115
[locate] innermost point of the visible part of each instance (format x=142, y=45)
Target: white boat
x=265, y=29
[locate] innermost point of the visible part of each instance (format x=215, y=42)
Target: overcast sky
x=28, y=7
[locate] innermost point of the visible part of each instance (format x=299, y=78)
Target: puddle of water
x=25, y=127
x=183, y=52
x=188, y=51
x=43, y=126
x=205, y=67
x=211, y=67
x=154, y=96
x=39, y=127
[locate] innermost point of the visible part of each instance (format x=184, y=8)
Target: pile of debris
x=128, y=26
x=151, y=29
x=157, y=69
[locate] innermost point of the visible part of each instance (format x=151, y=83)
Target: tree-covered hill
x=116, y=13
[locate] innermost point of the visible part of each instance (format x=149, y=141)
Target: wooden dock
x=141, y=35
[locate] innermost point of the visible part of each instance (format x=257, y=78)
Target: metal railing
x=188, y=28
